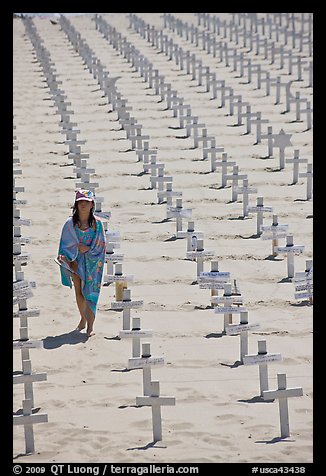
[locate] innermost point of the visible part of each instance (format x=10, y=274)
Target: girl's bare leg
x=80, y=301
x=89, y=315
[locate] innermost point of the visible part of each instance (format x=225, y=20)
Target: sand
x=89, y=395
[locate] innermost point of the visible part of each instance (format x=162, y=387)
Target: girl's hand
x=83, y=248
x=62, y=258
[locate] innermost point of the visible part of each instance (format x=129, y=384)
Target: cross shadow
x=301, y=304
x=285, y=280
x=256, y=399
x=203, y=308
x=249, y=237
x=172, y=238
x=121, y=370
x=165, y=220
x=236, y=364
x=152, y=444
x=273, y=258
x=276, y=439
x=20, y=411
x=113, y=338
x=69, y=338
x=215, y=335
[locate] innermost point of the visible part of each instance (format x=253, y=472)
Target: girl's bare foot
x=90, y=333
x=81, y=325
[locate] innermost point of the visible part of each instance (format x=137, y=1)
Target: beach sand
x=89, y=395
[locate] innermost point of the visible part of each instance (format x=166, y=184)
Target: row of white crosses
x=179, y=212
x=22, y=291
x=228, y=310
x=131, y=328
x=228, y=298
x=244, y=62
x=280, y=140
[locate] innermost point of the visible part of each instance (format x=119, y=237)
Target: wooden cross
x=309, y=175
x=274, y=232
x=242, y=330
x=135, y=333
x=262, y=358
x=200, y=254
x=28, y=419
x=228, y=310
x=259, y=209
x=282, y=393
x=282, y=140
x=125, y=305
x=296, y=161
x=155, y=401
x=245, y=190
x=290, y=250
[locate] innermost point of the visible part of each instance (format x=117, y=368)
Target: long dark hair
x=75, y=216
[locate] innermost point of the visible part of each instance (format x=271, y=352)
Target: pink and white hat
x=84, y=195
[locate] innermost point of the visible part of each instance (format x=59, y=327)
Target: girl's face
x=84, y=206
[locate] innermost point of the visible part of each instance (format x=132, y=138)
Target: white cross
x=290, y=250
x=259, y=209
x=282, y=393
x=168, y=193
x=228, y=310
x=273, y=232
x=245, y=190
x=224, y=163
x=309, y=175
x=200, y=254
x=213, y=279
x=242, y=329
x=213, y=150
x=296, y=161
x=28, y=419
x=145, y=362
x=135, y=333
x=235, y=177
x=303, y=282
x=178, y=212
x=192, y=236
x=125, y=305
x=262, y=358
x=155, y=401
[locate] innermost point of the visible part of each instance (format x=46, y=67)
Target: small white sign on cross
x=290, y=250
x=145, y=362
x=282, y=393
x=245, y=190
x=303, y=282
x=259, y=209
x=200, y=254
x=274, y=232
x=135, y=333
x=126, y=305
x=262, y=358
x=178, y=213
x=155, y=401
x=242, y=329
x=228, y=310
